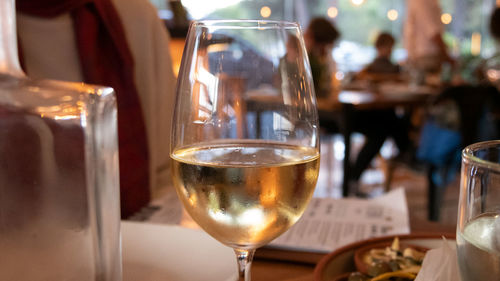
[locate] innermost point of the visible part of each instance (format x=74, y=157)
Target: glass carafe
x=59, y=185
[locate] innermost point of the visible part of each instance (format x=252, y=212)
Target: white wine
x=245, y=194
x=479, y=249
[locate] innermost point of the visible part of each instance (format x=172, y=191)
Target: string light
x=392, y=15
x=265, y=11
x=332, y=12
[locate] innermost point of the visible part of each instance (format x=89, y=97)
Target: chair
x=476, y=110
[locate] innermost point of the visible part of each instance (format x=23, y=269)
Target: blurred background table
x=342, y=108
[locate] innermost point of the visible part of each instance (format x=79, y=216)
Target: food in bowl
x=388, y=261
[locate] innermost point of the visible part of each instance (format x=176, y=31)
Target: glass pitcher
x=59, y=184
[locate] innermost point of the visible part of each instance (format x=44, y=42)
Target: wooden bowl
x=341, y=261
x=360, y=253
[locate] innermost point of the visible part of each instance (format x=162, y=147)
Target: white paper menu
x=328, y=223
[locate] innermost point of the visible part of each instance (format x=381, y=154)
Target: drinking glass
x=245, y=141
x=478, y=229
x=59, y=178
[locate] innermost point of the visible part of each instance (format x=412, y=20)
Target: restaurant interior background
x=467, y=36
x=466, y=24
x=359, y=21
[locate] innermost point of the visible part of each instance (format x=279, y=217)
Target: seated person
x=381, y=68
x=319, y=38
x=377, y=125
x=487, y=71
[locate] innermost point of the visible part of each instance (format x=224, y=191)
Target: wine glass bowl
x=245, y=194
x=245, y=140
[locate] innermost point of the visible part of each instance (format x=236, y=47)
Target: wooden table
x=347, y=103
x=265, y=269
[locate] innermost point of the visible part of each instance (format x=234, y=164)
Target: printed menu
x=329, y=223
x=326, y=225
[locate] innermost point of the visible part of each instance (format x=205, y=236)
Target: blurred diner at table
x=320, y=37
x=382, y=66
x=378, y=124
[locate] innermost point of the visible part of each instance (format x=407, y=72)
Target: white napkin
x=440, y=264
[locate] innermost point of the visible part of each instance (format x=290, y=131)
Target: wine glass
x=245, y=140
x=478, y=229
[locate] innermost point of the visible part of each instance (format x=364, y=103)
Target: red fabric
x=106, y=60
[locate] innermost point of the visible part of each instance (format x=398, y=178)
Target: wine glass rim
x=468, y=154
x=245, y=24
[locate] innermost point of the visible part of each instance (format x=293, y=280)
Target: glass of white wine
x=245, y=140
x=478, y=229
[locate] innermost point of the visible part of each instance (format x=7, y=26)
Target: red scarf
x=106, y=60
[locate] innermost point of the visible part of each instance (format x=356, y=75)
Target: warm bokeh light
x=446, y=18
x=475, y=44
x=392, y=14
x=357, y=2
x=332, y=12
x=265, y=11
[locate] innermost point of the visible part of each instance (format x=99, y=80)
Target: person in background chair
x=319, y=37
x=382, y=68
x=117, y=43
x=379, y=124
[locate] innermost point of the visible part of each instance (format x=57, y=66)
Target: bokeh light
x=332, y=12
x=446, y=18
x=265, y=11
x=357, y=2
x=392, y=14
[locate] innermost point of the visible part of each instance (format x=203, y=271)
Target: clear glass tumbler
x=59, y=185
x=478, y=229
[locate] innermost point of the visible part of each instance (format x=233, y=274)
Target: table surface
x=341, y=108
x=388, y=96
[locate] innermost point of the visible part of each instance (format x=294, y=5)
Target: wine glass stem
x=244, y=259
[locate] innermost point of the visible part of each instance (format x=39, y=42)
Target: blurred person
x=378, y=125
x=494, y=24
x=489, y=70
x=423, y=36
x=320, y=37
x=382, y=64
x=121, y=44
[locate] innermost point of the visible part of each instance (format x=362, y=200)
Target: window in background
x=359, y=21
